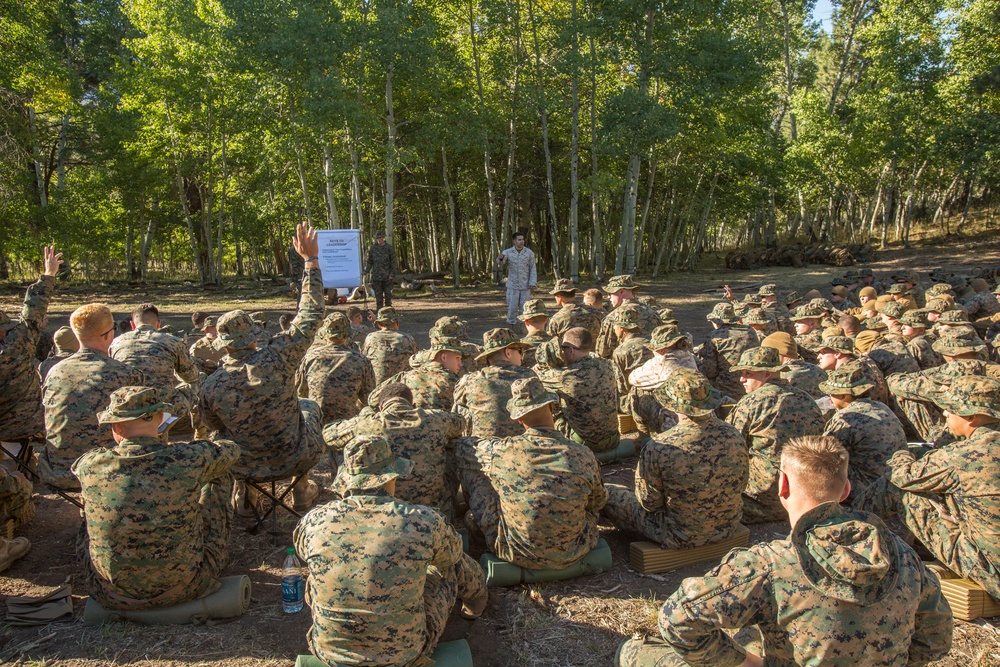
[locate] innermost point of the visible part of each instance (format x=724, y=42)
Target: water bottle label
x=291, y=589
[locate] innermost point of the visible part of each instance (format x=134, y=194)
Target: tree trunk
x=61, y=158
x=390, y=157
x=888, y=211
x=637, y=241
x=597, y=252
x=36, y=155
x=845, y=56
x=332, y=219
x=574, y=159
x=451, y=217
x=491, y=199
x=543, y=113
x=307, y=210
x=147, y=240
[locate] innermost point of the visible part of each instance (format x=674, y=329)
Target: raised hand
x=306, y=242
x=52, y=260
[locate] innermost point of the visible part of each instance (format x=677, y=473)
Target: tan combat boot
x=11, y=550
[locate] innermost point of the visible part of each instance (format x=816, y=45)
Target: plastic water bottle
x=292, y=595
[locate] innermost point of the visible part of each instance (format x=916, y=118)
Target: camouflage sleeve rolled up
x=292, y=345
x=20, y=389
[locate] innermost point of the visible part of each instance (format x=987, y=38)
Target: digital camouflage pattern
x=205, y=355
x=481, y=398
x=424, y=436
x=948, y=498
x=534, y=339
x=337, y=377
x=588, y=401
x=809, y=344
x=892, y=357
x=767, y=418
x=75, y=390
x=16, y=508
x=607, y=339
x=574, y=315
x=632, y=352
x=536, y=496
x=871, y=434
x=255, y=382
x=688, y=485
x=158, y=519
x=381, y=262
x=20, y=393
x=384, y=575
x=805, y=376
x=843, y=590
x=721, y=351
x=164, y=361
x=389, y=352
x=921, y=349
x=359, y=334
x=432, y=384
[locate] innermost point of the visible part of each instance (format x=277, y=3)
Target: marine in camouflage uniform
x=767, y=417
x=65, y=345
x=774, y=307
x=919, y=346
x=867, y=429
x=333, y=373
x=536, y=496
x=891, y=356
x=452, y=326
x=21, y=414
x=570, y=314
x=432, y=384
x=16, y=508
x=205, y=354
x=256, y=382
x=384, y=574
x=799, y=374
x=632, y=351
x=426, y=437
x=671, y=351
x=157, y=515
x=587, y=393
x=841, y=590
x=481, y=397
x=535, y=317
x=623, y=288
x=808, y=319
x=948, y=496
x=722, y=349
x=75, y=390
x=162, y=358
x=388, y=349
x=381, y=268
x=689, y=480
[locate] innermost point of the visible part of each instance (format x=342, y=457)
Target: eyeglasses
x=568, y=346
x=111, y=330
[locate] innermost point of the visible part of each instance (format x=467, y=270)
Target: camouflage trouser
x=927, y=518
x=648, y=652
x=217, y=521
x=607, y=444
x=649, y=415
x=472, y=458
x=383, y=292
x=625, y=512
x=16, y=508
x=464, y=581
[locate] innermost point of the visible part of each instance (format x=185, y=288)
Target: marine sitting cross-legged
x=841, y=590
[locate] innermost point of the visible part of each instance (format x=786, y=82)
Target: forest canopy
x=152, y=139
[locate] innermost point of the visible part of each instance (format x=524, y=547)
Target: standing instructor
x=520, y=275
x=381, y=270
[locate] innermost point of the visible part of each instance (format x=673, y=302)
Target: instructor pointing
x=521, y=276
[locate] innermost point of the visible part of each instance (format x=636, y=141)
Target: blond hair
x=91, y=320
x=818, y=463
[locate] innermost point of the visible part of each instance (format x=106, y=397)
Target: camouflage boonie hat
x=893, y=309
x=648, y=300
x=129, y=403
x=939, y=289
x=448, y=344
x=688, y=392
x=65, y=340
x=369, y=464
x=380, y=234
x=841, y=344
x=742, y=309
x=387, y=314
x=752, y=299
x=792, y=297
x=760, y=359
x=627, y=318
x=723, y=312
x=236, y=330
x=667, y=316
x=564, y=286
x=259, y=317
x=496, y=340
x=807, y=312
x=6, y=324
x=166, y=328
x=768, y=290
x=210, y=321
x=958, y=341
x=449, y=325
x=336, y=325
x=821, y=304
x=916, y=318
x=940, y=304
x=533, y=308
x=665, y=336
x=756, y=316
x=527, y=395
x=898, y=288
x=865, y=273
x=848, y=379
x=938, y=275
x=875, y=324
x=620, y=282
x=971, y=395
x=955, y=316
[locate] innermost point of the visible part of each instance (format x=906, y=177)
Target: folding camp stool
x=276, y=502
x=23, y=462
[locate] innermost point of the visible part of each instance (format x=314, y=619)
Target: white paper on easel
x=340, y=257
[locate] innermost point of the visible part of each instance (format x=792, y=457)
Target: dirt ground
x=577, y=623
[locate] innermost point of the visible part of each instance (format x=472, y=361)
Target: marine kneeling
x=384, y=574
x=157, y=515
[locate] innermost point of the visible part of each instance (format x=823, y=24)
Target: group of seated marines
x=821, y=445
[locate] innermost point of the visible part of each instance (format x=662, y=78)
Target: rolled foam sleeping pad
x=501, y=573
x=228, y=602
x=447, y=654
x=624, y=450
